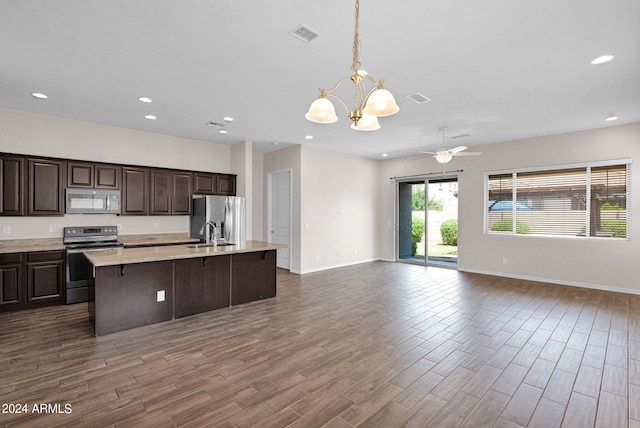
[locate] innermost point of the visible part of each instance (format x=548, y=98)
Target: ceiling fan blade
x=457, y=149
x=468, y=154
x=429, y=153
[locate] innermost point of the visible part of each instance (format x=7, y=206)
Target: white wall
x=39, y=135
x=605, y=264
x=241, y=165
x=259, y=190
x=338, y=212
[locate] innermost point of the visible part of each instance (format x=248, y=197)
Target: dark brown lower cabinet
x=31, y=279
x=201, y=284
x=127, y=296
x=253, y=276
x=10, y=280
x=45, y=276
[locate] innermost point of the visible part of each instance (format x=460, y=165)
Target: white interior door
x=279, y=214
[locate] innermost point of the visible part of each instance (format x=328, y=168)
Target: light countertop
x=30, y=245
x=122, y=256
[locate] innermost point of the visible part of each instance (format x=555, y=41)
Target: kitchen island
x=132, y=287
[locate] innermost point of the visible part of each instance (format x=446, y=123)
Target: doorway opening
x=427, y=212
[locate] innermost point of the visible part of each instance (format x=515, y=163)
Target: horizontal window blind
x=583, y=201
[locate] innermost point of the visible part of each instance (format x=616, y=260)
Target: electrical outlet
x=504, y=261
x=52, y=228
x=160, y=296
x=341, y=253
x=156, y=226
x=6, y=230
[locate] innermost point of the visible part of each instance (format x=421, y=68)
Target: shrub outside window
x=588, y=200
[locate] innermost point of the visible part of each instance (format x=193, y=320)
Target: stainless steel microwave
x=92, y=201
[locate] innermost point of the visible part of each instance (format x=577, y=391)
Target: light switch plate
x=160, y=296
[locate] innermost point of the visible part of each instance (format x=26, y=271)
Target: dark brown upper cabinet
x=107, y=177
x=214, y=184
x=11, y=185
x=134, y=191
x=46, y=187
x=160, y=192
x=182, y=193
x=93, y=176
x=80, y=175
x=204, y=184
x=225, y=185
x=170, y=192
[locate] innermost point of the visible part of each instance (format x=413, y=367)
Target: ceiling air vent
x=304, y=33
x=418, y=98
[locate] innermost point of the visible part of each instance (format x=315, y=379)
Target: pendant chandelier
x=368, y=105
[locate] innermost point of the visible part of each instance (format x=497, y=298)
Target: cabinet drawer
x=10, y=258
x=45, y=256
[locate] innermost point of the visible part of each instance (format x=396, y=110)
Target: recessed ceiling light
x=384, y=155
x=227, y=119
x=145, y=100
x=602, y=59
x=222, y=131
x=309, y=137
x=150, y=117
x=39, y=95
x=611, y=118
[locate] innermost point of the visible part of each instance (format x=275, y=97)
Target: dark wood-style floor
x=374, y=345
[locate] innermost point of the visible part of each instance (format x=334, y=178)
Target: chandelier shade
x=368, y=104
x=366, y=123
x=322, y=111
x=381, y=103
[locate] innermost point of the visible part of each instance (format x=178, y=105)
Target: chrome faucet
x=208, y=237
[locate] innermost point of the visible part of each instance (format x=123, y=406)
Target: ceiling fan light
x=321, y=111
x=443, y=157
x=381, y=103
x=366, y=123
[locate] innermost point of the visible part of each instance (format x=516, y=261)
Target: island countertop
x=121, y=256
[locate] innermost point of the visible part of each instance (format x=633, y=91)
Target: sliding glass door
x=411, y=221
x=427, y=219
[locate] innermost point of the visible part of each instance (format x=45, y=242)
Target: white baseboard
x=334, y=266
x=553, y=281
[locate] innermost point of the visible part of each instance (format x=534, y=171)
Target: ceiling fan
x=445, y=155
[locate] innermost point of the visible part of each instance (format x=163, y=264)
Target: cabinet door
x=10, y=280
x=182, y=195
x=107, y=177
x=226, y=185
x=79, y=175
x=160, y=192
x=45, y=276
x=46, y=187
x=11, y=186
x=204, y=184
x=201, y=284
x=253, y=276
x=134, y=191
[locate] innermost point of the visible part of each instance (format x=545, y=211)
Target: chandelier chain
x=356, y=41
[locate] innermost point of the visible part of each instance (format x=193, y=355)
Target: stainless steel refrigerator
x=221, y=218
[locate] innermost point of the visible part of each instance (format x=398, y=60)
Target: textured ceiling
x=496, y=70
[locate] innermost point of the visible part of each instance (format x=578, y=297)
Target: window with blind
x=589, y=200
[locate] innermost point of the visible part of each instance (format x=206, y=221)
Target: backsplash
x=51, y=227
